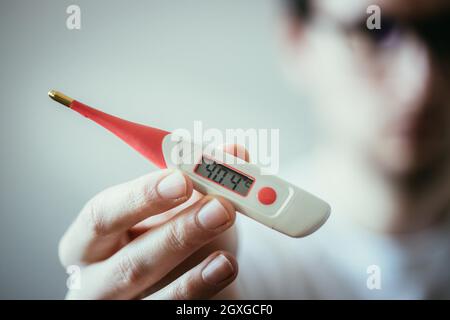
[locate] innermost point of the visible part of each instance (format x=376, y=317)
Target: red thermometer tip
x=146, y=140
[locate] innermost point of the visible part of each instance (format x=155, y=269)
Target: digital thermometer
x=267, y=199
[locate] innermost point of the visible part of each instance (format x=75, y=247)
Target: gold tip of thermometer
x=267, y=199
x=60, y=97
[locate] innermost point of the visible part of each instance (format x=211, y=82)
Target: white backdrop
x=165, y=63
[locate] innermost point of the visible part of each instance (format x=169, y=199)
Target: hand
x=129, y=237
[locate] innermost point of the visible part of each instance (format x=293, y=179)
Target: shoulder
x=275, y=266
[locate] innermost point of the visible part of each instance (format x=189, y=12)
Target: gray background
x=165, y=63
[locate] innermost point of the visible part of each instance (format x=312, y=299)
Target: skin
x=382, y=104
x=132, y=242
x=384, y=115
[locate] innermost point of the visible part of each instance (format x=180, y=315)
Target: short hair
x=298, y=8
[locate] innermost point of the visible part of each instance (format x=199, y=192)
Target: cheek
x=349, y=102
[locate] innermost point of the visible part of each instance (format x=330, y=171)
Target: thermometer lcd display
x=224, y=176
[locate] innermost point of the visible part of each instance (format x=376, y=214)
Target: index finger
x=102, y=222
x=238, y=151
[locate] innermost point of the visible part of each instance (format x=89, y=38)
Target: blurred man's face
x=383, y=93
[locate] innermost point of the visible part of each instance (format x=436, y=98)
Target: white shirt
x=333, y=263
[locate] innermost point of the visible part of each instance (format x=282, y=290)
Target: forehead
x=351, y=10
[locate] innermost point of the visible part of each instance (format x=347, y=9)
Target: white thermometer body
x=267, y=199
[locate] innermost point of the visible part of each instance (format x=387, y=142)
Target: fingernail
x=213, y=215
x=218, y=270
x=172, y=186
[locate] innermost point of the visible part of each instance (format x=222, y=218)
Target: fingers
x=202, y=282
x=233, y=149
x=117, y=268
x=151, y=256
x=97, y=231
x=238, y=151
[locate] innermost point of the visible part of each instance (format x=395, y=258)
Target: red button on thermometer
x=268, y=199
x=267, y=195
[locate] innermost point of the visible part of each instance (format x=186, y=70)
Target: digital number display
x=224, y=176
